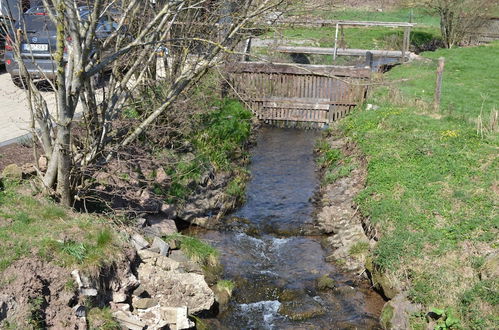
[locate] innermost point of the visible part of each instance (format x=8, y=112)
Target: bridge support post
x=336, y=42
x=369, y=60
x=406, y=42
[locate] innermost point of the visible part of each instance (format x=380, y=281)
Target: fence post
x=438, y=87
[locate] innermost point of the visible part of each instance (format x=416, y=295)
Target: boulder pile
x=167, y=288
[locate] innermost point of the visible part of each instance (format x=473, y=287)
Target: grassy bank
x=40, y=245
x=33, y=227
x=199, y=138
x=470, y=84
x=218, y=143
x=432, y=184
x=418, y=16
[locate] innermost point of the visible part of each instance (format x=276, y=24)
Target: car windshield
x=38, y=10
x=42, y=11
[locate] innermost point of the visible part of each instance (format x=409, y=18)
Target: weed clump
x=197, y=250
x=102, y=318
x=227, y=286
x=359, y=248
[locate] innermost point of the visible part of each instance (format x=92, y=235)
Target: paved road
x=14, y=112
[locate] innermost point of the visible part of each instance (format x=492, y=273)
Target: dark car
x=10, y=12
x=38, y=43
x=3, y=35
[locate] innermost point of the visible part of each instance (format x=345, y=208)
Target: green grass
x=469, y=84
x=236, y=189
x=218, y=142
x=197, y=250
x=427, y=29
x=419, y=16
x=31, y=226
x=225, y=131
x=432, y=182
x=226, y=285
x=359, y=248
x=327, y=156
x=334, y=164
x=102, y=319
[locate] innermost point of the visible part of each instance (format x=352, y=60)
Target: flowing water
x=276, y=269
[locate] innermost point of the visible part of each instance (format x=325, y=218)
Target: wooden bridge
x=293, y=93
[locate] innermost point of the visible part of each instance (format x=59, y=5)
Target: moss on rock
x=386, y=316
x=325, y=282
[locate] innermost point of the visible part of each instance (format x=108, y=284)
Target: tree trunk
x=446, y=27
x=64, y=115
x=64, y=165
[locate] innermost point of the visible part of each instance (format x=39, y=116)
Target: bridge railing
x=298, y=92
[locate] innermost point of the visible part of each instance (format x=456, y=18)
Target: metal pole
x=247, y=50
x=336, y=42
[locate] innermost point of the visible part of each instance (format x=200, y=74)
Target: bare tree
x=120, y=40
x=458, y=18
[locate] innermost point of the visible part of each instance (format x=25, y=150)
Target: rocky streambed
x=288, y=250
x=277, y=252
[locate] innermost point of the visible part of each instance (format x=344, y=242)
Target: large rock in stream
x=176, y=288
x=301, y=309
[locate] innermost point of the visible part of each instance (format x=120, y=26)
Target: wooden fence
x=317, y=94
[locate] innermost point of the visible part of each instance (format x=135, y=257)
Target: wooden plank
x=298, y=69
x=291, y=101
x=307, y=88
x=296, y=86
x=313, y=86
x=303, y=85
x=342, y=51
x=294, y=118
x=324, y=22
x=311, y=106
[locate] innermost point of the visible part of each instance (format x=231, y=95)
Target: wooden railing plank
x=299, y=69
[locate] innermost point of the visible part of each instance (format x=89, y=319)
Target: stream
x=275, y=266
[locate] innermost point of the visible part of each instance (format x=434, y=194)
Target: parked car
x=13, y=8
x=10, y=12
x=3, y=32
x=38, y=43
